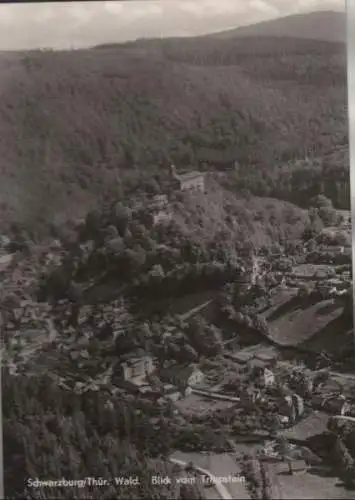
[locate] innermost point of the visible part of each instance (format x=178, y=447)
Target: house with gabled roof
x=189, y=181
x=182, y=377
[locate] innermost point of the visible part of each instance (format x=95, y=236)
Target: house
x=4, y=241
x=160, y=216
x=223, y=159
x=258, y=353
x=267, y=378
x=334, y=404
x=148, y=391
x=292, y=407
x=144, y=205
x=267, y=354
x=297, y=466
x=269, y=453
x=243, y=357
x=327, y=385
x=171, y=392
x=182, y=376
x=5, y=261
x=298, y=404
x=190, y=181
x=337, y=423
x=245, y=276
x=232, y=344
x=158, y=202
x=136, y=369
x=333, y=249
x=262, y=376
x=267, y=357
x=156, y=209
x=301, y=381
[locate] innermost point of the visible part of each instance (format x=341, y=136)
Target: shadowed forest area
x=80, y=126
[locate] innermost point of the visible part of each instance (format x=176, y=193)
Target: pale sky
x=77, y=24
x=351, y=88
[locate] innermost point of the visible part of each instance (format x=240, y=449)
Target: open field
x=314, y=424
x=335, y=338
x=279, y=299
x=305, y=485
x=198, y=406
x=300, y=324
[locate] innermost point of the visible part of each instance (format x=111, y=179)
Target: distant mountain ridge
x=109, y=117
x=328, y=26
x=322, y=26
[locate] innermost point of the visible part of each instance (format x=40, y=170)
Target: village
x=259, y=393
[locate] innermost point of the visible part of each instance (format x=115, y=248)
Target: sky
x=351, y=93
x=351, y=65
x=80, y=24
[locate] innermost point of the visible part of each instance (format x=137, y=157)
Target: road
x=215, y=395
x=344, y=418
x=195, y=310
x=276, y=488
x=220, y=488
x=345, y=376
x=220, y=465
x=341, y=375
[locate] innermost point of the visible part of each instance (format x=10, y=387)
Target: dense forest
x=51, y=433
x=81, y=126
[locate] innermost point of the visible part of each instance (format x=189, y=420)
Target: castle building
x=225, y=159
x=189, y=181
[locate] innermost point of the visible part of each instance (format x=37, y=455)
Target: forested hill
x=326, y=25
x=78, y=126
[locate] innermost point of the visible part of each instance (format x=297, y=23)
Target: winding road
x=220, y=488
x=345, y=376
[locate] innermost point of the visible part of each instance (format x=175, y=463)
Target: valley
x=176, y=302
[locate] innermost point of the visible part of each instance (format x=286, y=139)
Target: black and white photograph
x=176, y=300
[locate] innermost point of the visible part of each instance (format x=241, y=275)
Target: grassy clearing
x=300, y=324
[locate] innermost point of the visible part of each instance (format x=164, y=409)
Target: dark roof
x=258, y=351
x=180, y=372
x=242, y=356
x=189, y=175
x=135, y=357
x=256, y=363
x=216, y=155
x=331, y=405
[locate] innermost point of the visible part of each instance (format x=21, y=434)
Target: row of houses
x=262, y=388
x=173, y=382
